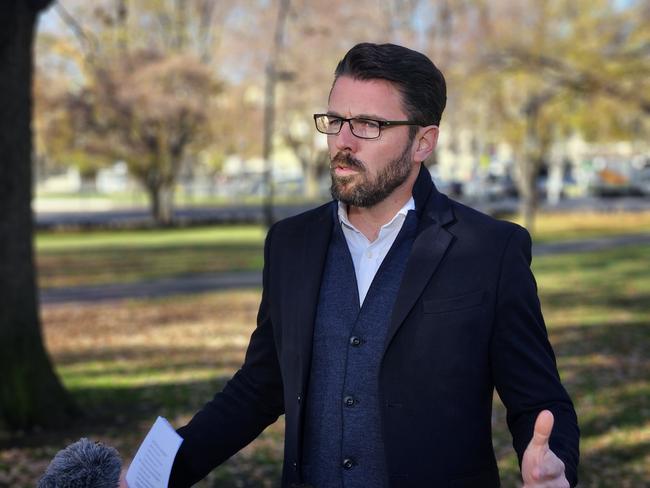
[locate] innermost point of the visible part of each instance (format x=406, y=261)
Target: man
x=389, y=315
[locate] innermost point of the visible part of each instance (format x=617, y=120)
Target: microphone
x=84, y=464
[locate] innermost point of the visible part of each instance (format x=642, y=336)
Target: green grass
x=553, y=227
x=77, y=258
x=92, y=258
x=597, y=308
x=79, y=240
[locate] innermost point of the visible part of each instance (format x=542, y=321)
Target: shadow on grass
x=607, y=367
x=609, y=463
x=121, y=417
x=108, y=265
x=606, y=338
x=120, y=409
x=637, y=303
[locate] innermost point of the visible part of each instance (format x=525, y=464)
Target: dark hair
x=422, y=85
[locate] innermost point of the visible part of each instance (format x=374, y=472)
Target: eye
x=333, y=121
x=366, y=124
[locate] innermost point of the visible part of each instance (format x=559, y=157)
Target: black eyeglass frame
x=380, y=123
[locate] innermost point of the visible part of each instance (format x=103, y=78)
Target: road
x=253, y=279
x=255, y=214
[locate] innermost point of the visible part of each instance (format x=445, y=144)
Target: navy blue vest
x=343, y=445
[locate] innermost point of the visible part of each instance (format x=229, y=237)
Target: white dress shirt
x=367, y=256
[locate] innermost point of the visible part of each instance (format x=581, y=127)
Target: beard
x=367, y=191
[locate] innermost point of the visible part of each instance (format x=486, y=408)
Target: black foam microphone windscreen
x=84, y=464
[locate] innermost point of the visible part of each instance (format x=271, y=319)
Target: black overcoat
x=466, y=320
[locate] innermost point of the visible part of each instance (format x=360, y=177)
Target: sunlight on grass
x=130, y=379
x=583, y=225
x=66, y=241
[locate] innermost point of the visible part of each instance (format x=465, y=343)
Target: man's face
x=366, y=171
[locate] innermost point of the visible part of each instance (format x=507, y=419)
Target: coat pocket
x=441, y=305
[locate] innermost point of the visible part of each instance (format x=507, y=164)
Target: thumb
x=543, y=428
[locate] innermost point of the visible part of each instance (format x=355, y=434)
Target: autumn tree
x=30, y=392
x=145, y=109
x=542, y=70
x=147, y=89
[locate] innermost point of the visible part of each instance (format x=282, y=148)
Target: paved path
x=589, y=245
x=152, y=289
x=253, y=279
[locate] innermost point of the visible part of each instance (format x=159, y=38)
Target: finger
x=543, y=428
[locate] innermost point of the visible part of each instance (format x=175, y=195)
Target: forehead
x=351, y=97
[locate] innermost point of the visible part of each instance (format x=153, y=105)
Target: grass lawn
x=553, y=227
x=90, y=258
x=127, y=362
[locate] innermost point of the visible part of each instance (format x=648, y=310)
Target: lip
x=344, y=170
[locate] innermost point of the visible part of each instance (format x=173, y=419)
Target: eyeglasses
x=359, y=126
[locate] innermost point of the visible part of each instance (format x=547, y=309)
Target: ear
x=425, y=142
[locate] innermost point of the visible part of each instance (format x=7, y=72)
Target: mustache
x=348, y=161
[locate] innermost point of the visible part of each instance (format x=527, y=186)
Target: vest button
x=348, y=463
x=355, y=341
x=349, y=401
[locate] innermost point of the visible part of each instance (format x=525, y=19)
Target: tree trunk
x=312, y=189
x=161, y=200
x=30, y=392
x=310, y=172
x=529, y=165
x=89, y=182
x=527, y=192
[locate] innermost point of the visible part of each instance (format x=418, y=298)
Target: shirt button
x=348, y=463
x=349, y=401
x=369, y=254
x=355, y=341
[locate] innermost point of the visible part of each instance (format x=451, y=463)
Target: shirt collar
x=343, y=214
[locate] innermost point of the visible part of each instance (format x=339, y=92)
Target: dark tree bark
x=30, y=392
x=161, y=199
x=535, y=149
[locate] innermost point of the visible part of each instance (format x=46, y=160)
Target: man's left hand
x=540, y=467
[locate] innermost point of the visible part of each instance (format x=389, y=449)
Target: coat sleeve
x=249, y=402
x=523, y=362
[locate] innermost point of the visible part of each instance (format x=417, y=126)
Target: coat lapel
x=429, y=248
x=308, y=274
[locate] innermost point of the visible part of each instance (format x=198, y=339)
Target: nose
x=345, y=140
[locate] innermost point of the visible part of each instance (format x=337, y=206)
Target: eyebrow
x=359, y=116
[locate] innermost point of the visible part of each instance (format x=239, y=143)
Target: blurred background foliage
x=177, y=86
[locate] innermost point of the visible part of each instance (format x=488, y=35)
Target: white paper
x=152, y=463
